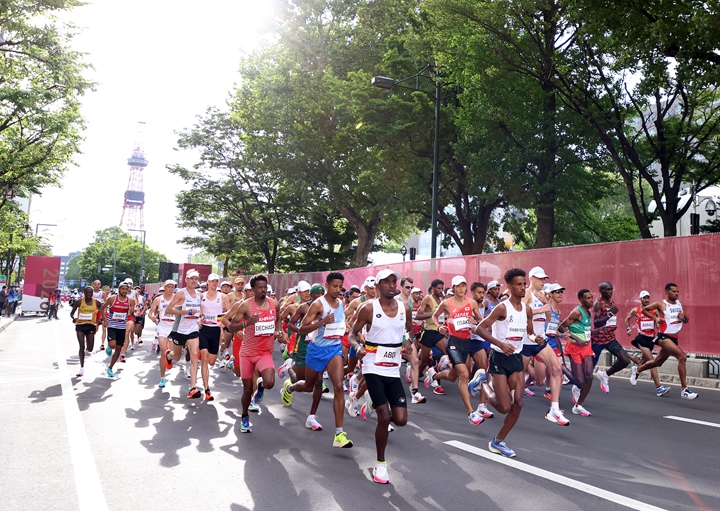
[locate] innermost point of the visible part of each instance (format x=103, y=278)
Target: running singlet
x=581, y=329
x=383, y=342
x=212, y=311
x=188, y=324
x=429, y=325
x=162, y=307
x=459, y=323
x=87, y=314
x=672, y=323
x=118, y=313
x=140, y=304
x=538, y=320
x=490, y=307
x=606, y=333
x=644, y=323
x=474, y=336
x=417, y=325
x=98, y=296
x=513, y=329
x=260, y=337
x=551, y=327
x=330, y=335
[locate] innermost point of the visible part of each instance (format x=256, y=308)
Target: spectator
x=53, y=304
x=12, y=299
x=3, y=299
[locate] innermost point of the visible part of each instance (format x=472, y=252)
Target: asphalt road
x=97, y=443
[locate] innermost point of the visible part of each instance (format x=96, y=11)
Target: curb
x=711, y=383
x=7, y=323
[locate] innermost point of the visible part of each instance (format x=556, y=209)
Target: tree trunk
x=545, y=226
x=365, y=241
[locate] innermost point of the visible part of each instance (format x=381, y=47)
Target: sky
x=162, y=62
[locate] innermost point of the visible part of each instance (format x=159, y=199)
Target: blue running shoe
x=108, y=351
x=110, y=373
x=162, y=383
x=500, y=448
x=245, y=425
x=661, y=391
x=477, y=380
x=257, y=397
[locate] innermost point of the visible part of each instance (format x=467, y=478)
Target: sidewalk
x=5, y=322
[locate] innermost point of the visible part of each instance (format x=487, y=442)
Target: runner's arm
x=74, y=308
x=153, y=309
x=299, y=313
x=238, y=320
x=309, y=324
x=657, y=306
x=425, y=306
x=482, y=330
x=441, y=308
x=573, y=317
x=631, y=314
x=364, y=318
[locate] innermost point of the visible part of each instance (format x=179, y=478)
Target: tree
x=15, y=244
x=96, y=260
x=40, y=90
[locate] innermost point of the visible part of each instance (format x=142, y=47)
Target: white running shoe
x=483, y=410
x=325, y=375
x=391, y=428
x=429, y=378
x=686, y=393
x=475, y=418
x=418, y=398
x=443, y=364
x=312, y=423
x=575, y=394
x=604, y=381
x=565, y=380
x=579, y=410
x=633, y=375
x=352, y=406
x=380, y=473
x=80, y=372
x=557, y=417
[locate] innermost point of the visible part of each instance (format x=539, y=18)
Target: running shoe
x=408, y=368
x=283, y=347
x=110, y=372
x=253, y=407
x=132, y=347
x=230, y=365
x=325, y=388
x=557, y=417
x=285, y=354
x=418, y=398
x=325, y=375
x=102, y=347
x=686, y=393
x=429, y=378
x=122, y=359
x=548, y=394
x=604, y=381
x=476, y=382
x=634, y=375
x=208, y=395
x=566, y=380
x=499, y=447
x=194, y=393
x=283, y=369
x=353, y=384
x=140, y=341
x=245, y=425
x=391, y=428
x=154, y=345
x=661, y=391
x=286, y=396
x=353, y=407
x=380, y=473
x=259, y=394
x=528, y=392
x=579, y=410
x=482, y=409
x=475, y=418
x=163, y=382
x=439, y=391
x=80, y=372
x=341, y=440
x=575, y=394
x=187, y=370
x=443, y=364
x=312, y=423
x=168, y=361
x=367, y=411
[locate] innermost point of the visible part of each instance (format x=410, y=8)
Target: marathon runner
x=327, y=316
x=385, y=320
x=118, y=309
x=670, y=320
x=164, y=323
x=99, y=295
x=212, y=308
x=491, y=296
x=479, y=355
x=603, y=337
x=580, y=351
x=85, y=324
x=410, y=351
x=645, y=339
x=511, y=322
x=431, y=336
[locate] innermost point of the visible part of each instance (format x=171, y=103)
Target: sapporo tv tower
x=132, y=214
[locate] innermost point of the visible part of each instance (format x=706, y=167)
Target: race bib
x=265, y=328
x=462, y=323
x=210, y=320
x=587, y=333
x=647, y=325
x=85, y=317
x=441, y=319
x=119, y=316
x=387, y=357
x=612, y=321
x=551, y=329
x=334, y=330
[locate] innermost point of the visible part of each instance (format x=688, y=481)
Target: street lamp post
x=403, y=251
x=383, y=82
x=142, y=255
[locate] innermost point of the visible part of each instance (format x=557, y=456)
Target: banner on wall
x=41, y=279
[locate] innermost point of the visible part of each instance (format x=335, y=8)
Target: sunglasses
x=408, y=287
x=559, y=292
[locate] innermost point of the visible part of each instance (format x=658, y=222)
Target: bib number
x=587, y=333
x=612, y=321
x=647, y=325
x=119, y=316
x=387, y=357
x=551, y=329
x=441, y=319
x=462, y=324
x=334, y=330
x=85, y=317
x=265, y=328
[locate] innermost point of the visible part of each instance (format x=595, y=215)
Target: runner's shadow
x=39, y=396
x=95, y=393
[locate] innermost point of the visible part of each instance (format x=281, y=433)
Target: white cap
x=546, y=288
x=128, y=280
x=123, y=283
x=192, y=273
x=538, y=273
x=247, y=287
x=168, y=282
x=416, y=290
x=458, y=279
x=383, y=274
x=302, y=286
x=354, y=287
x=492, y=284
x=213, y=276
x=226, y=283
x=369, y=282
x=291, y=290
x=554, y=287
x=269, y=289
x=643, y=294
x=450, y=292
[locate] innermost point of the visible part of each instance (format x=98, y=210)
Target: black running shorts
x=660, y=337
x=429, y=338
x=210, y=339
x=179, y=339
x=505, y=365
x=386, y=390
x=86, y=328
x=643, y=341
x=117, y=335
x=458, y=350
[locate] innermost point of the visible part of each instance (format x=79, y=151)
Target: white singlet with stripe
x=538, y=320
x=188, y=324
x=165, y=322
x=672, y=324
x=212, y=310
x=383, y=342
x=513, y=329
x=98, y=296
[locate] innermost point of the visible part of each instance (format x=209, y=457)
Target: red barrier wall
x=41, y=279
x=692, y=262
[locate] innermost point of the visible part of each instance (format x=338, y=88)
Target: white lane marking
x=684, y=419
x=556, y=478
x=87, y=480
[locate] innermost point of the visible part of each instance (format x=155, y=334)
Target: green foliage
x=14, y=243
x=113, y=244
x=711, y=226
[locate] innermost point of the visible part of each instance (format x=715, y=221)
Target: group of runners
x=494, y=343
